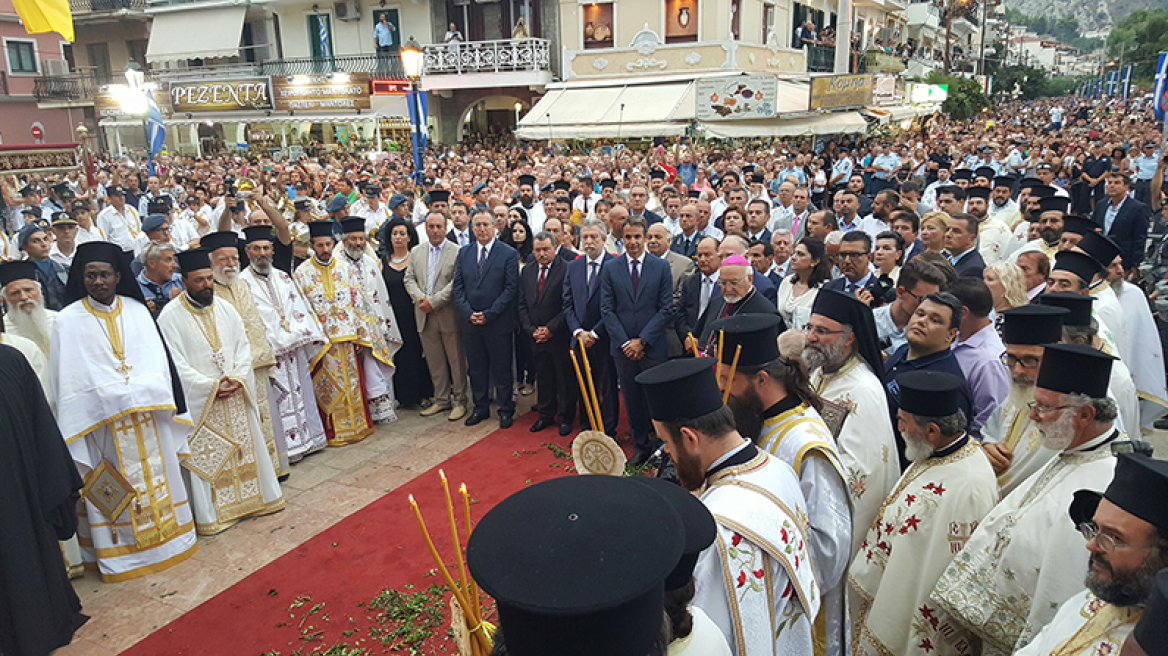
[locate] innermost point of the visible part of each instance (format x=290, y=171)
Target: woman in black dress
x=411, y=381
x=518, y=236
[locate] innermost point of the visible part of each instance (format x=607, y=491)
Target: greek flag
x=322, y=31
x=1112, y=82
x=155, y=131
x=417, y=102
x=1128, y=72
x=1160, y=91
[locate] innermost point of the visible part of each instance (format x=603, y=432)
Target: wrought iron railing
x=103, y=6
x=380, y=67
x=502, y=56
x=820, y=59
x=74, y=86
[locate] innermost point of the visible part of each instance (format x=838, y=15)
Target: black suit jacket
x=1129, y=230
x=872, y=286
x=546, y=309
x=971, y=265
x=651, y=218
x=685, y=315
x=565, y=254
x=581, y=304
x=644, y=313
x=492, y=293
x=756, y=304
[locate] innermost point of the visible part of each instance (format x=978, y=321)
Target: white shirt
x=484, y=250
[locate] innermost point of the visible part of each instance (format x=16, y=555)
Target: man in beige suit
x=429, y=281
x=680, y=267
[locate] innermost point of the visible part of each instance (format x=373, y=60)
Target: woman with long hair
x=518, y=236
x=797, y=292
x=1008, y=288
x=411, y=380
x=933, y=227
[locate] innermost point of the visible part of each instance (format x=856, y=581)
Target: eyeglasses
x=820, y=331
x=1045, y=409
x=850, y=256
x=1027, y=361
x=1107, y=542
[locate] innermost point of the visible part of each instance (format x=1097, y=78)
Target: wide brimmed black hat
x=930, y=393
x=1033, y=325
x=681, y=390
x=758, y=334
x=1075, y=369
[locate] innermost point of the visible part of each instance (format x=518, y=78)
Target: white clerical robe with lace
x=1108, y=312
x=1147, y=367
x=993, y=236
x=867, y=447
x=1084, y=626
x=799, y=438
x=756, y=581
x=924, y=522
x=378, y=374
x=109, y=368
x=1026, y=557
x=298, y=342
x=231, y=472
x=1010, y=425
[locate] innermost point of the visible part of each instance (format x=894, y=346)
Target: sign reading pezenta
x=214, y=96
x=316, y=92
x=841, y=91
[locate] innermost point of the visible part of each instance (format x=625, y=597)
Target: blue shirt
x=842, y=166
x=1145, y=167
x=783, y=174
x=688, y=173
x=383, y=33
x=152, y=290
x=883, y=162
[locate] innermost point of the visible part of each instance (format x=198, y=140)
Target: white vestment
x=378, y=374
x=704, y=639
x=756, y=581
x=231, y=475
x=1010, y=425
x=866, y=444
x=993, y=236
x=1147, y=365
x=1084, y=626
x=298, y=342
x=925, y=521
x=799, y=438
x=1026, y=558
x=128, y=422
x=1107, y=312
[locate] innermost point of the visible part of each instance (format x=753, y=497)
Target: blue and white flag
x=155, y=131
x=322, y=33
x=1125, y=80
x=419, y=111
x=1112, y=83
x=1160, y=91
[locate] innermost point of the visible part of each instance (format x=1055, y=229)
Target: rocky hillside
x=1092, y=14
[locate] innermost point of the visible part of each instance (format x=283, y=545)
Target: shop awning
x=196, y=34
x=803, y=126
x=894, y=113
x=599, y=112
x=259, y=117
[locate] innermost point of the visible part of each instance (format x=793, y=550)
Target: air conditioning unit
x=54, y=67
x=347, y=10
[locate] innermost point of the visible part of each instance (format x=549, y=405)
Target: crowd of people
x=906, y=376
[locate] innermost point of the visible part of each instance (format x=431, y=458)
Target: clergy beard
x=1058, y=434
x=262, y=267
x=747, y=413
x=1126, y=588
x=355, y=254
x=817, y=355
x=688, y=467
x=225, y=275
x=915, y=448
x=32, y=321
x=1021, y=391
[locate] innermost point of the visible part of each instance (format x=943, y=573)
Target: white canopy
x=196, y=34
x=622, y=110
x=803, y=126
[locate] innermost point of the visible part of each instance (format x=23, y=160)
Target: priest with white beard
x=231, y=475
x=297, y=340
x=774, y=406
x=757, y=583
x=943, y=495
x=1126, y=529
x=1023, y=560
x=844, y=359
x=223, y=249
x=1010, y=438
x=27, y=316
x=366, y=270
x=127, y=422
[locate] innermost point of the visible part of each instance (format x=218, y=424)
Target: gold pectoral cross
x=124, y=370
x=284, y=324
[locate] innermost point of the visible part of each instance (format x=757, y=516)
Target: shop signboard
x=928, y=93
x=738, y=97
x=841, y=91
x=113, y=102
x=219, y=95
x=320, y=92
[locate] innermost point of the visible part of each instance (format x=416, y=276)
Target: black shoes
x=474, y=419
x=505, y=421
x=565, y=429
x=540, y=424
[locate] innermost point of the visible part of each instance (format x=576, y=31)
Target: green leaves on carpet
x=408, y=620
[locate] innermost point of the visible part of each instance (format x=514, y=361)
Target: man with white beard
x=366, y=271
x=1025, y=558
x=297, y=341
x=27, y=316
x=223, y=249
x=1010, y=439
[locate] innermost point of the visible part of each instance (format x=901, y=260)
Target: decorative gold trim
x=113, y=418
x=150, y=569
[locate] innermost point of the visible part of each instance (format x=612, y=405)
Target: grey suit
x=681, y=267
x=439, y=330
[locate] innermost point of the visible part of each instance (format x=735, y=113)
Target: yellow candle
x=583, y=391
x=730, y=378
x=592, y=389
x=454, y=531
x=693, y=343
x=471, y=585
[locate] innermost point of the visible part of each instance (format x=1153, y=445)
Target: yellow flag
x=46, y=16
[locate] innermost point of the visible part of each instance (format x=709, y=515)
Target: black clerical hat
x=962, y=174
x=1003, y=181
x=1033, y=325
x=1140, y=486
x=528, y=180
x=1054, y=204
x=353, y=224
x=1075, y=369
x=437, y=196
x=193, y=260
x=577, y=565
x=1042, y=191
x=758, y=334
x=16, y=270
x=1030, y=183
x=301, y=204
x=978, y=192
x=657, y=174
x=1100, y=247
x=1078, y=307
x=696, y=521
x=1080, y=264
x=694, y=193
x=608, y=183
x=986, y=172
x=929, y=393
x=681, y=390
x=101, y=251
x=849, y=310
x=1149, y=632
x=1076, y=224
x=320, y=229
x=213, y=241
x=258, y=233
x=561, y=185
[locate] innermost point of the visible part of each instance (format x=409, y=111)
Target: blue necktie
x=482, y=260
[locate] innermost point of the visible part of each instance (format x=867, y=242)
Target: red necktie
x=542, y=276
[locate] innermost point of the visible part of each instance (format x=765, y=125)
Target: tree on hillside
x=1140, y=38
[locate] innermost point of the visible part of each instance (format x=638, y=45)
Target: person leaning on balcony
x=383, y=33
x=520, y=32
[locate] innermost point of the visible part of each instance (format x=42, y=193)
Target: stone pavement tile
x=308, y=474
x=126, y=617
x=380, y=477
x=350, y=457
x=187, y=592
x=333, y=499
x=83, y=647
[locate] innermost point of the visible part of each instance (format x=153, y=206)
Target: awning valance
x=196, y=119
x=196, y=34
x=635, y=110
x=804, y=126
x=894, y=113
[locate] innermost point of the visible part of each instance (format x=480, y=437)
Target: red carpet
x=348, y=564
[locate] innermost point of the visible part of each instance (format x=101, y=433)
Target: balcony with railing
x=486, y=64
x=99, y=7
x=820, y=59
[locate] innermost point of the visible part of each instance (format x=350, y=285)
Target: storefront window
x=681, y=21
x=598, y=25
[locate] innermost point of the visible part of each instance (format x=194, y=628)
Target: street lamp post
x=412, y=59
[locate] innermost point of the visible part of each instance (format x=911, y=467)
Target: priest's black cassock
x=39, y=490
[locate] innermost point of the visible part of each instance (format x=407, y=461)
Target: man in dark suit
x=460, y=216
x=686, y=242
x=636, y=301
x=638, y=197
x=554, y=227
x=697, y=291
x=486, y=280
x=541, y=314
x=961, y=244
x=1124, y=219
x=582, y=312
x=853, y=259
